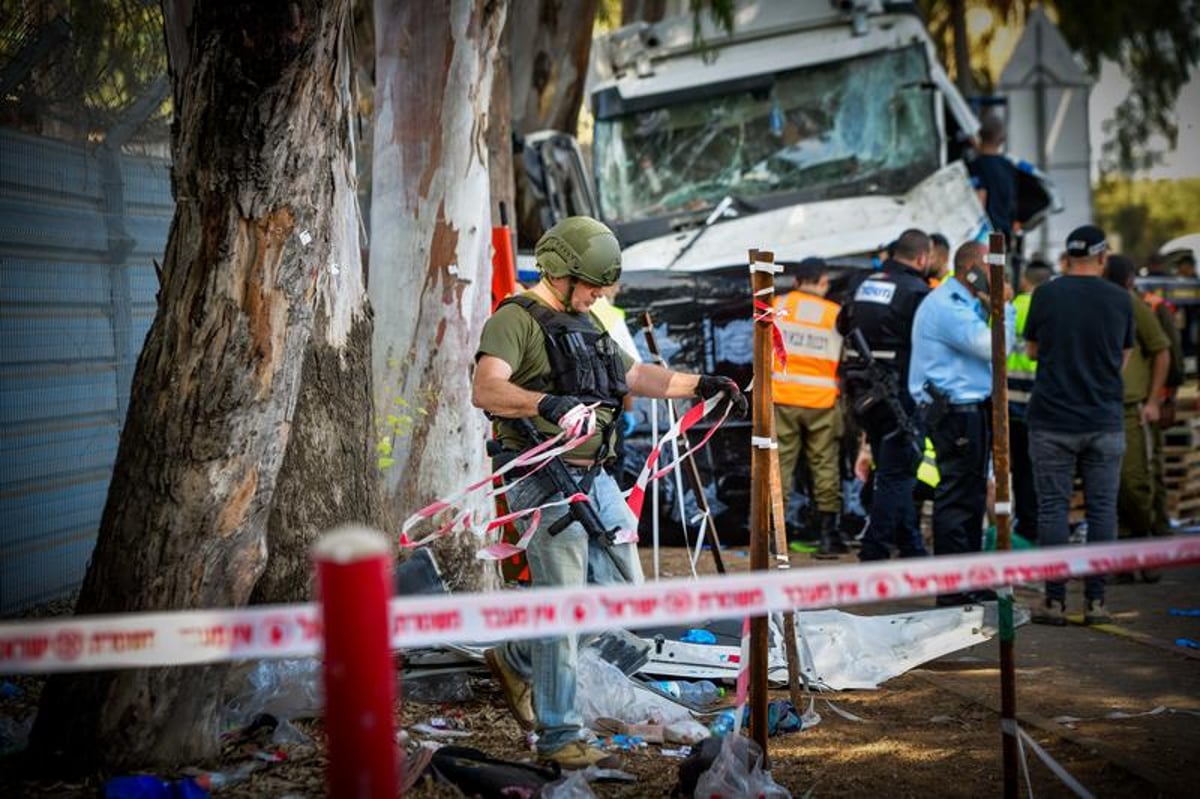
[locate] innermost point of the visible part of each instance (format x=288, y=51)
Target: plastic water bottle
x=701, y=693
x=723, y=724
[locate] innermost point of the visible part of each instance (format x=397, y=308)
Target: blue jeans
x=1055, y=458
x=567, y=559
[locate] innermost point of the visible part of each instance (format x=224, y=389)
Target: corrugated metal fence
x=79, y=228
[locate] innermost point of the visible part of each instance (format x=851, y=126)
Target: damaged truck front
x=815, y=128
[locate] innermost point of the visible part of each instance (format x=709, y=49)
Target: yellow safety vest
x=927, y=472
x=814, y=348
x=1021, y=368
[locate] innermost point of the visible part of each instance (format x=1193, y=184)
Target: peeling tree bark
x=260, y=155
x=430, y=265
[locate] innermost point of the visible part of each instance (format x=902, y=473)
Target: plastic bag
x=686, y=731
x=733, y=776
x=604, y=692
x=286, y=689
x=574, y=786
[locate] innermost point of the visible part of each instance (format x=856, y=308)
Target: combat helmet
x=581, y=248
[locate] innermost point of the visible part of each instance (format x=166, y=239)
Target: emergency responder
x=1145, y=377
x=543, y=355
x=939, y=260
x=805, y=391
x=882, y=308
x=951, y=377
x=1165, y=312
x=1021, y=372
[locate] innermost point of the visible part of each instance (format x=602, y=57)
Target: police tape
x=81, y=643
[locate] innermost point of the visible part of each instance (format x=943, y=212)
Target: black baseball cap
x=1086, y=241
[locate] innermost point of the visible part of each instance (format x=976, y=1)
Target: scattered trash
x=285, y=689
x=1184, y=611
x=941, y=719
x=1188, y=642
x=681, y=752
x=604, y=692
x=215, y=780
x=701, y=693
x=442, y=727
x=724, y=723
x=437, y=689
x=596, y=774
x=650, y=733
x=695, y=636
x=477, y=774
x=685, y=731
x=8, y=690
x=149, y=787
x=736, y=772
x=573, y=786
x=626, y=743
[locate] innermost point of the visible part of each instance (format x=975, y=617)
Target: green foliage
x=1147, y=213
x=1156, y=43
x=113, y=52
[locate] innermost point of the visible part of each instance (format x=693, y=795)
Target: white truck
x=815, y=128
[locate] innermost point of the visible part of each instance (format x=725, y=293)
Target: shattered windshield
x=862, y=125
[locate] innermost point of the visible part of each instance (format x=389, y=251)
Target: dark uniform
x=882, y=307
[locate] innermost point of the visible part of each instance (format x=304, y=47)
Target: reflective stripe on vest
x=814, y=348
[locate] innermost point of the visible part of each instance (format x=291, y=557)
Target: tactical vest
x=584, y=361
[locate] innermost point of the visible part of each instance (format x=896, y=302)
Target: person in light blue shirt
x=952, y=353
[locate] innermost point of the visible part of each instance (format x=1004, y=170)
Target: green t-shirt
x=1149, y=339
x=515, y=337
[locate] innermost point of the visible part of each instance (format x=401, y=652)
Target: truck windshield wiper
x=722, y=209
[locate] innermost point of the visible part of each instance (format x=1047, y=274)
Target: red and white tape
x=207, y=636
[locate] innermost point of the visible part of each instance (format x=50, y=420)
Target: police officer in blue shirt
x=882, y=307
x=951, y=377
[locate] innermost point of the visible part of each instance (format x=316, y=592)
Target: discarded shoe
x=580, y=754
x=518, y=694
x=1052, y=612
x=1096, y=613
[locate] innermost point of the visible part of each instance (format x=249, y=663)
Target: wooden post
x=779, y=537
x=762, y=284
x=1008, y=688
x=689, y=464
x=354, y=587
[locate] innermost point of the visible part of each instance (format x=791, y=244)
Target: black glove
x=711, y=385
x=553, y=407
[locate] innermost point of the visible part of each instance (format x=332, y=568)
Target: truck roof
x=643, y=60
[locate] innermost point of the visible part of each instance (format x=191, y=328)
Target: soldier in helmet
x=542, y=354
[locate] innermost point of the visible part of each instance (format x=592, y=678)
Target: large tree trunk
x=259, y=146
x=963, y=77
x=551, y=44
x=430, y=267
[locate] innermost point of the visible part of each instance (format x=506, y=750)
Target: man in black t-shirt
x=994, y=179
x=1080, y=330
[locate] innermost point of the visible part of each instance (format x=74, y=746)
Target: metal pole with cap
x=354, y=588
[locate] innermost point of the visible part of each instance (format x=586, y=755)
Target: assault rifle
x=562, y=482
x=879, y=384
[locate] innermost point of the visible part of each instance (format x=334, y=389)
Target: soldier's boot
x=832, y=544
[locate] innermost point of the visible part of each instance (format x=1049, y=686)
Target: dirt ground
x=933, y=731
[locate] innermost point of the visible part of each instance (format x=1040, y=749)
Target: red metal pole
x=354, y=586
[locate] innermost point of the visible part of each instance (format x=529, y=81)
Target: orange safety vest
x=814, y=348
